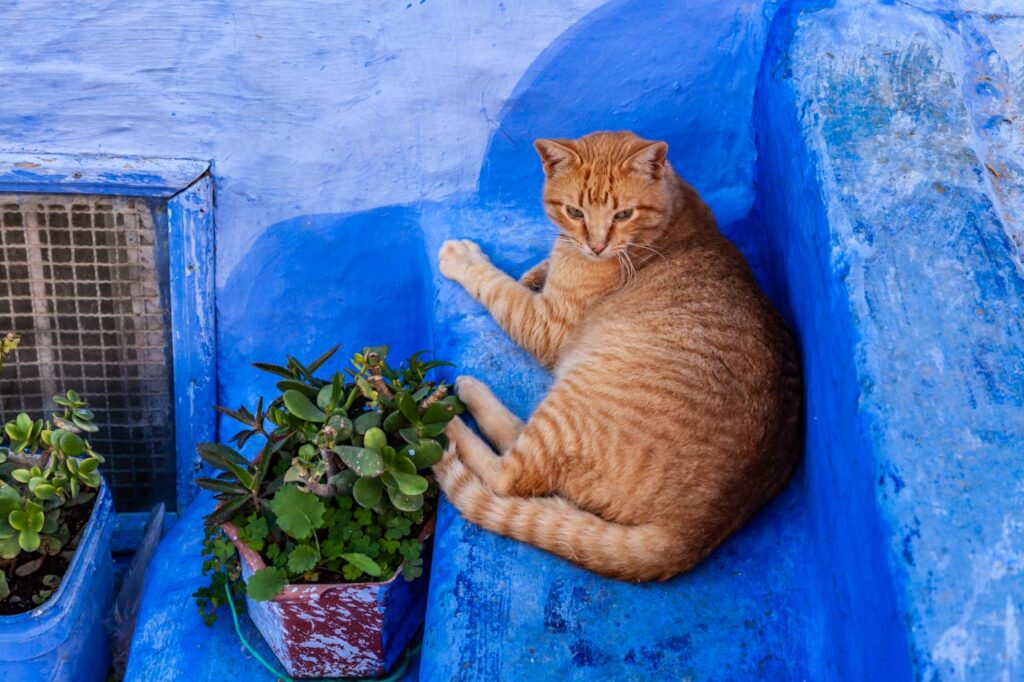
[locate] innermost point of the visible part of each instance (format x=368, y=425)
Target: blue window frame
x=187, y=188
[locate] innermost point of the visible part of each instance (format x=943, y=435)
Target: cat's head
x=607, y=190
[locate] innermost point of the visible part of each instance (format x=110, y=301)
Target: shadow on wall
x=623, y=68
x=313, y=281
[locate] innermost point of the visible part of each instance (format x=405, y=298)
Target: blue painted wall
x=866, y=156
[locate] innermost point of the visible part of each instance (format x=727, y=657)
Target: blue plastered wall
x=866, y=157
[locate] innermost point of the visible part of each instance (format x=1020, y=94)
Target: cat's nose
x=598, y=248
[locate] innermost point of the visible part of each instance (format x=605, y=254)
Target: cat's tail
x=634, y=553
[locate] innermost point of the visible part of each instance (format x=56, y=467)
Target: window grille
x=83, y=280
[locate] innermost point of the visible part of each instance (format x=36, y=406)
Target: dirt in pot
x=44, y=581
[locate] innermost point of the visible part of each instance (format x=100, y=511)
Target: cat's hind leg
x=496, y=421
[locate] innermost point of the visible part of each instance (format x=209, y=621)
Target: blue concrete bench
x=880, y=208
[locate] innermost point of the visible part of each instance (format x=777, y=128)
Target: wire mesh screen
x=81, y=282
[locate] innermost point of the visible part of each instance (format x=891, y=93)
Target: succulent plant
x=47, y=467
x=342, y=484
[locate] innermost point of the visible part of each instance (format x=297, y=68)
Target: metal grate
x=81, y=282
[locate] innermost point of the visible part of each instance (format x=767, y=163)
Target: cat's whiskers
x=646, y=247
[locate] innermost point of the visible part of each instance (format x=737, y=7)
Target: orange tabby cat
x=675, y=408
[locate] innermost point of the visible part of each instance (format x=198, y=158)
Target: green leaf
x=304, y=389
x=324, y=397
x=367, y=421
x=273, y=369
x=266, y=584
x=375, y=439
x=367, y=492
x=319, y=362
x=29, y=540
x=219, y=486
x=439, y=412
x=395, y=421
x=84, y=424
x=9, y=547
x=18, y=519
x=21, y=475
x=344, y=480
x=228, y=511
x=410, y=484
x=363, y=563
x=432, y=430
x=300, y=406
x=302, y=558
x=425, y=453
x=408, y=407
x=88, y=465
x=408, y=503
x=5, y=591
x=72, y=444
x=363, y=461
x=218, y=456
x=298, y=513
x=409, y=435
x=45, y=491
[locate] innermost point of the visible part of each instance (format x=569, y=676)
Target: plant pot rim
x=302, y=592
x=57, y=602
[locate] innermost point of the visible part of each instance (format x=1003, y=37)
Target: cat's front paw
x=458, y=256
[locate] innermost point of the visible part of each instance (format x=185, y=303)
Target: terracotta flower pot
x=338, y=630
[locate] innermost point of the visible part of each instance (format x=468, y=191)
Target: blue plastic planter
x=64, y=639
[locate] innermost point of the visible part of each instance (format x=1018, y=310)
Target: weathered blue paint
x=190, y=230
x=885, y=179
x=865, y=155
x=64, y=640
x=97, y=174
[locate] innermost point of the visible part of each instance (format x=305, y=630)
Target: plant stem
x=440, y=392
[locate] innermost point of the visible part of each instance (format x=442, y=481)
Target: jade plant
x=341, y=488
x=47, y=469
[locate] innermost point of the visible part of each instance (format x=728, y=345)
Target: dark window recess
x=83, y=280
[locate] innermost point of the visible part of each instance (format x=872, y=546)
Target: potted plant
x=330, y=520
x=56, y=520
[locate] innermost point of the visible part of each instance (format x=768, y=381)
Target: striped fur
x=675, y=410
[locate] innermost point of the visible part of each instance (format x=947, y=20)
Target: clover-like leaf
x=302, y=559
x=298, y=513
x=266, y=584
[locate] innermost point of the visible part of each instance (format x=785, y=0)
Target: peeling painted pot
x=343, y=629
x=64, y=640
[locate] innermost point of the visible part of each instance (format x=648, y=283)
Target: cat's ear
x=556, y=155
x=650, y=160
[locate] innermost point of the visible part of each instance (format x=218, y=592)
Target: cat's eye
x=624, y=215
x=574, y=212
